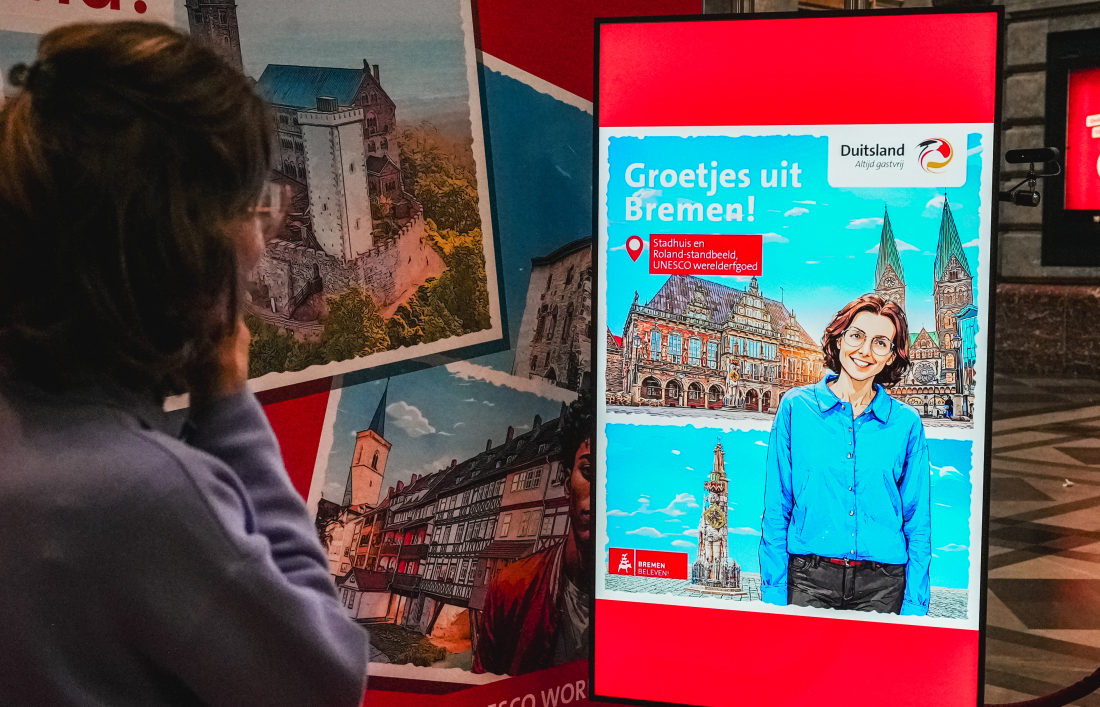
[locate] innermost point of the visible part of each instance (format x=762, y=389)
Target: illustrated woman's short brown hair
x=124, y=161
x=830, y=342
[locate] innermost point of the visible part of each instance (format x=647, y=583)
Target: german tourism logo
x=935, y=154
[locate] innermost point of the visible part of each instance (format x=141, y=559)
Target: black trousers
x=871, y=586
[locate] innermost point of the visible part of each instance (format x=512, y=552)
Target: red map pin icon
x=634, y=247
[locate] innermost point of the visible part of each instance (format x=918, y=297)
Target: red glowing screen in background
x=1083, y=140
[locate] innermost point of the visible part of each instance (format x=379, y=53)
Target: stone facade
x=555, y=337
x=701, y=344
x=614, y=363
x=213, y=23
x=384, y=271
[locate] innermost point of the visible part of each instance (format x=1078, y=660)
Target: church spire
x=889, y=276
x=888, y=252
x=949, y=244
x=378, y=422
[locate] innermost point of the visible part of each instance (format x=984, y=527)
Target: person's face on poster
x=579, y=489
x=861, y=355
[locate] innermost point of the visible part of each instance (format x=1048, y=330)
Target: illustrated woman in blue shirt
x=846, y=499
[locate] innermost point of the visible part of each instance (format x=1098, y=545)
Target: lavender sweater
x=138, y=568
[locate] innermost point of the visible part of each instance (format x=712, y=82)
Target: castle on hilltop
x=352, y=224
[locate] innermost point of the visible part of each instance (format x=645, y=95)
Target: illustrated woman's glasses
x=880, y=345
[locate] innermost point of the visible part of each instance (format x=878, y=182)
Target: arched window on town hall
x=712, y=354
x=655, y=345
x=569, y=276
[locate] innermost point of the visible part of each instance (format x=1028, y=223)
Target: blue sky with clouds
x=655, y=477
x=820, y=242
x=418, y=45
x=432, y=416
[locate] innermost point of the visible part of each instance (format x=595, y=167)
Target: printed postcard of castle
x=688, y=344
x=387, y=249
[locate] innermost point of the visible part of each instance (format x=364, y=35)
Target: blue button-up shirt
x=842, y=487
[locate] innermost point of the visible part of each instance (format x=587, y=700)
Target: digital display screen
x=1083, y=140
x=794, y=282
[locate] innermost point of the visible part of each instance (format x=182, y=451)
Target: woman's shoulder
x=901, y=413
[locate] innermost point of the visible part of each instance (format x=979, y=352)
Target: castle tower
x=889, y=276
x=368, y=463
x=213, y=23
x=713, y=567
x=336, y=174
x=953, y=287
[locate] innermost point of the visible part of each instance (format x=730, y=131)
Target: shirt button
x=849, y=455
x=849, y=429
x=851, y=513
x=849, y=488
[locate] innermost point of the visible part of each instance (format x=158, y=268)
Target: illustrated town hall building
x=701, y=344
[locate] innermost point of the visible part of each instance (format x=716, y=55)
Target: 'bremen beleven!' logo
x=935, y=155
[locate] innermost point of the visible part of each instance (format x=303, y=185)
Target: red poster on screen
x=1083, y=140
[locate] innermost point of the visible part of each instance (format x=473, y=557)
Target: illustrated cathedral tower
x=953, y=288
x=889, y=276
x=213, y=23
x=713, y=567
x=368, y=463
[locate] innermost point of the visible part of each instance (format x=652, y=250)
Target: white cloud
x=974, y=150
x=486, y=402
x=468, y=371
x=760, y=443
x=470, y=400
x=813, y=262
x=647, y=193
x=945, y=505
x=745, y=530
x=461, y=424
x=902, y=246
x=943, y=471
x=445, y=434
x=775, y=238
x=676, y=452
x=864, y=223
x=971, y=244
x=647, y=532
x=806, y=202
x=644, y=495
x=934, y=207
x=797, y=211
x=645, y=244
x=693, y=532
x=682, y=543
x=953, y=547
x=689, y=468
x=409, y=419
x=685, y=499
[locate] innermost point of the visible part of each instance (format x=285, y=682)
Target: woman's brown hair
x=124, y=161
x=830, y=342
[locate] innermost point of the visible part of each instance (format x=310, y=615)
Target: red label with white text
x=671, y=254
x=663, y=565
